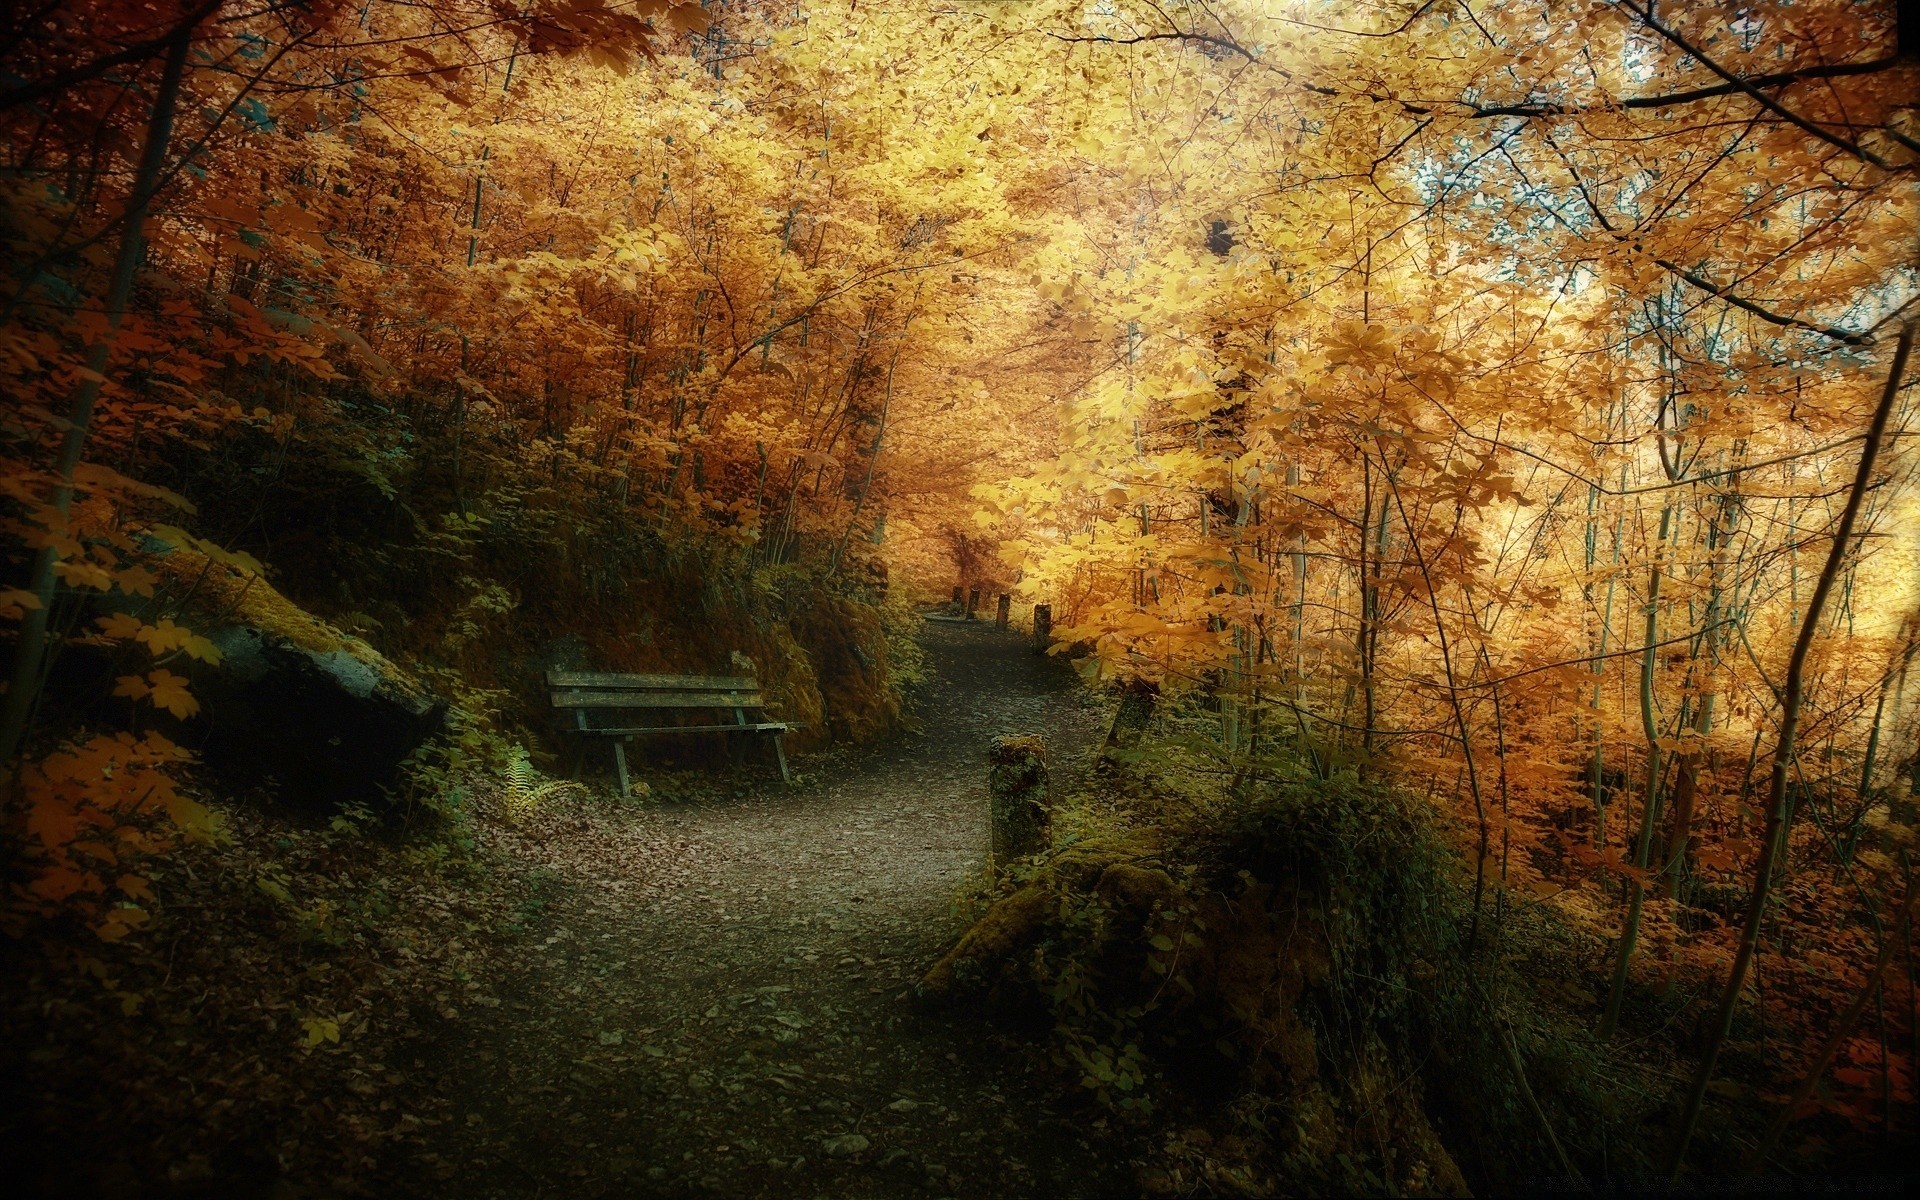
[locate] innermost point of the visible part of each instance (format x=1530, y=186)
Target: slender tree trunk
x=1650, y=792
x=23, y=686
x=1686, y=788
x=1375, y=613
x=1864, y=801
x=1358, y=679
x=1472, y=769
x=866, y=483
x=1772, y=841
x=1599, y=678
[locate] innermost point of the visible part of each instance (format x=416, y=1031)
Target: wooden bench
x=621, y=707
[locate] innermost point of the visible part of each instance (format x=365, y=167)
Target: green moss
x=220, y=595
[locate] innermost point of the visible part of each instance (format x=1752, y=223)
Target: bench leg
x=780, y=752
x=620, y=764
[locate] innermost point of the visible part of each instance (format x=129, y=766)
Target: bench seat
x=611, y=704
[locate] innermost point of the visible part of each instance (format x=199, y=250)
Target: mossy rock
x=989, y=951
x=293, y=700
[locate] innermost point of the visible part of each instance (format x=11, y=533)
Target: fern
x=525, y=790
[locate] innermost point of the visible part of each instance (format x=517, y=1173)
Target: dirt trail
x=722, y=1011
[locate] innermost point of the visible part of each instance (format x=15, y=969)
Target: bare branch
x=1747, y=86
x=60, y=81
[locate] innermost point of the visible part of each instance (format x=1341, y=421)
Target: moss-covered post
x=1043, y=633
x=973, y=602
x=1005, y=615
x=1017, y=796
x=957, y=605
x=1137, y=700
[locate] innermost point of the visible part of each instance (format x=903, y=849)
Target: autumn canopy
x=1508, y=402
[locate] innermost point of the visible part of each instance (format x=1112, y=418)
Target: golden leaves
x=119, y=921
x=14, y=603
x=120, y=625
x=160, y=639
x=239, y=560
x=94, y=477
x=80, y=573
x=163, y=688
x=319, y=1030
x=164, y=637
x=687, y=18
x=90, y=806
x=135, y=581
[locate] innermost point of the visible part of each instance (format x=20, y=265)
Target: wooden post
x=1137, y=700
x=957, y=608
x=620, y=766
x=1042, y=627
x=1005, y=615
x=1017, y=796
x=973, y=602
x=780, y=754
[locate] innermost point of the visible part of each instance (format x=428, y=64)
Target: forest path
x=715, y=1002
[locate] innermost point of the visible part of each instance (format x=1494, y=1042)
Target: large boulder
x=329, y=726
x=315, y=713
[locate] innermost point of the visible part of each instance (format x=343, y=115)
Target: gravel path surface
x=715, y=1001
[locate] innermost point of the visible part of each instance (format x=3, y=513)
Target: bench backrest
x=581, y=690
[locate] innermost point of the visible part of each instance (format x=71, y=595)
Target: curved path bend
x=714, y=1001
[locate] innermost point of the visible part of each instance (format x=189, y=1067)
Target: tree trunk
x=23, y=686
x=1650, y=794
x=1773, y=840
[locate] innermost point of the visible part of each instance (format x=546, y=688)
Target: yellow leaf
x=156, y=748
x=239, y=560
x=164, y=637
x=173, y=536
x=196, y=820
x=170, y=692
x=13, y=598
x=84, y=575
x=119, y=922
x=688, y=18
x=132, y=687
x=321, y=1029
x=94, y=477
x=202, y=649
x=120, y=625
x=135, y=581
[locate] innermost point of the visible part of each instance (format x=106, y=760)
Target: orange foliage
x=1465, y=396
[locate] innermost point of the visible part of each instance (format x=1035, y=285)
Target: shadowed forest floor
x=720, y=1007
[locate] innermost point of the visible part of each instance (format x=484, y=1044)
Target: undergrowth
x=1271, y=972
